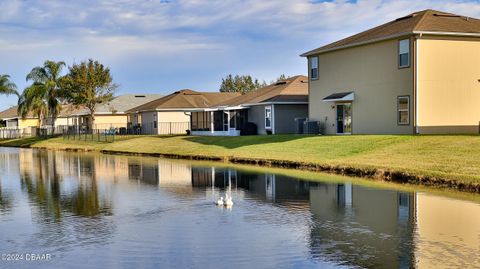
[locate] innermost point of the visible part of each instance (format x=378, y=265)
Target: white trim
x=446, y=33
x=265, y=117
x=276, y=103
x=348, y=97
x=417, y=130
x=273, y=119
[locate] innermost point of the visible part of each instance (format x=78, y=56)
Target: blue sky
x=159, y=46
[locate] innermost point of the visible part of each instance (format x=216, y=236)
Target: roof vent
x=140, y=96
x=281, y=82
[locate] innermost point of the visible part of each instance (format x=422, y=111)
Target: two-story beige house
x=417, y=74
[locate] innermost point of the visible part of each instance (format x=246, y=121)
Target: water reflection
x=145, y=208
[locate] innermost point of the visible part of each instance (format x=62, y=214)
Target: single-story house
x=272, y=109
x=111, y=114
x=171, y=114
x=12, y=119
x=416, y=74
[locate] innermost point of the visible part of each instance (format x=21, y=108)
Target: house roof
x=425, y=21
x=121, y=104
x=186, y=99
x=12, y=113
x=294, y=89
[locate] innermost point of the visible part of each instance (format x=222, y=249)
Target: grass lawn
x=450, y=157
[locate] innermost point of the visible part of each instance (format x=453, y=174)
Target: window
x=268, y=117
x=404, y=53
x=403, y=108
x=314, y=68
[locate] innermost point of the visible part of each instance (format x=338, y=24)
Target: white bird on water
x=220, y=201
x=228, y=200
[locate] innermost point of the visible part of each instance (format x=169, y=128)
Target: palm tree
x=43, y=97
x=7, y=87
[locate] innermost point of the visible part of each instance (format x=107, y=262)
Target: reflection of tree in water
x=6, y=200
x=67, y=217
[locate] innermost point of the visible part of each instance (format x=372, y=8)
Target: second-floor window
x=314, y=68
x=404, y=53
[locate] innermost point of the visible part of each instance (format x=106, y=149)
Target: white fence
x=15, y=132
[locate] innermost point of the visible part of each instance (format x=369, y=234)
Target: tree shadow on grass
x=232, y=142
x=21, y=142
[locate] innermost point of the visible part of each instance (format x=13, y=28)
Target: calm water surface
x=99, y=211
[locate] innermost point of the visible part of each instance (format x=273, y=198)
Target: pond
x=85, y=210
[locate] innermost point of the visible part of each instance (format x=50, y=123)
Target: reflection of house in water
x=448, y=232
x=361, y=226
x=161, y=172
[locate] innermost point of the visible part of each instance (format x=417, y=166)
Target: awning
x=339, y=97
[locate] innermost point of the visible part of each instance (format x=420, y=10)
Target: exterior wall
x=108, y=121
x=173, y=122
x=23, y=123
x=284, y=117
x=256, y=114
x=63, y=122
x=448, y=85
x=372, y=72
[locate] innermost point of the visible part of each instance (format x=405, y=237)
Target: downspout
x=417, y=130
x=189, y=114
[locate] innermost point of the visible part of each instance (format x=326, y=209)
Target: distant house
x=273, y=109
x=12, y=119
x=171, y=114
x=416, y=74
x=109, y=115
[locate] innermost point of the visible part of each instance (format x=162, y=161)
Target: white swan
x=220, y=201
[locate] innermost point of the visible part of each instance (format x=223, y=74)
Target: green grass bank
x=440, y=160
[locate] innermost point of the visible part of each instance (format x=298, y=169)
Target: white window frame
x=311, y=73
x=403, y=109
x=268, y=115
x=407, y=40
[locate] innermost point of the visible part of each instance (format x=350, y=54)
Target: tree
x=43, y=97
x=242, y=84
x=88, y=84
x=7, y=87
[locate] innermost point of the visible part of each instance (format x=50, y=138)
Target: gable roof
x=12, y=113
x=186, y=99
x=294, y=89
x=425, y=21
x=121, y=104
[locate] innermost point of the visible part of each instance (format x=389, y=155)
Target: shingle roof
x=422, y=21
x=294, y=89
x=121, y=104
x=186, y=99
x=9, y=113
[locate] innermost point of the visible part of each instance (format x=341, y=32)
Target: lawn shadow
x=232, y=142
x=21, y=142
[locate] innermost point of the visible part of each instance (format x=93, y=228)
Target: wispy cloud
x=162, y=45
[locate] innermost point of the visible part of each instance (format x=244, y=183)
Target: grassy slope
x=455, y=157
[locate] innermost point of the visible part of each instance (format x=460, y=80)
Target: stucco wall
x=448, y=83
x=22, y=123
x=173, y=122
x=285, y=115
x=256, y=114
x=108, y=121
x=372, y=72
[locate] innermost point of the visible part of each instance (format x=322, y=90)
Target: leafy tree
x=7, y=87
x=88, y=84
x=242, y=84
x=43, y=97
